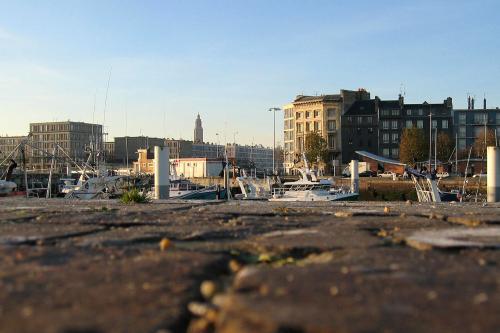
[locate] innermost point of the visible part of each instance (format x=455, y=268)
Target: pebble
x=234, y=266
x=480, y=298
x=432, y=295
x=208, y=289
x=264, y=257
x=334, y=291
x=165, y=244
x=198, y=309
x=343, y=214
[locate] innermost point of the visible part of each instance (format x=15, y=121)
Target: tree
x=479, y=147
x=316, y=148
x=413, y=146
x=444, y=146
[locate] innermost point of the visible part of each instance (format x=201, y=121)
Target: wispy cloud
x=7, y=36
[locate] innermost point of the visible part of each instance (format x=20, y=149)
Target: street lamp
x=217, y=135
x=430, y=139
x=273, y=110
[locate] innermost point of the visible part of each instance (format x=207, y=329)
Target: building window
x=349, y=120
x=420, y=112
x=434, y=124
x=298, y=115
x=462, y=118
x=368, y=120
x=385, y=124
x=461, y=144
x=331, y=113
x=394, y=124
x=478, y=132
x=385, y=137
x=385, y=112
x=360, y=120
x=480, y=118
x=444, y=124
x=462, y=131
x=385, y=151
x=498, y=119
x=331, y=141
x=409, y=124
x=395, y=112
x=408, y=112
x=332, y=125
x=395, y=137
x=308, y=126
x=316, y=113
x=395, y=152
x=308, y=114
x=420, y=124
x=316, y=126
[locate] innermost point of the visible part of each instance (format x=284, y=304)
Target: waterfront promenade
x=177, y=266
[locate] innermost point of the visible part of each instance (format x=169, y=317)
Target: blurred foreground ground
x=75, y=266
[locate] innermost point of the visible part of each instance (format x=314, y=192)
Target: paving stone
x=97, y=266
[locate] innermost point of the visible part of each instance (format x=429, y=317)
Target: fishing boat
x=252, y=189
x=310, y=188
x=99, y=187
x=7, y=187
x=428, y=190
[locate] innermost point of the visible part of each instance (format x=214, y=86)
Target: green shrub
x=134, y=196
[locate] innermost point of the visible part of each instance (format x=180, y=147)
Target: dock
x=199, y=267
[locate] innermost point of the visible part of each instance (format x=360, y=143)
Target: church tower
x=198, y=131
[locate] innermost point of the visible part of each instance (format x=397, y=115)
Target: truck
x=363, y=170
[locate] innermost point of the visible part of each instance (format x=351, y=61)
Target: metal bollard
x=354, y=176
x=493, y=174
x=162, y=173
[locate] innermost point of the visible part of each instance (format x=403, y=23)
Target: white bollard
x=354, y=176
x=493, y=174
x=162, y=173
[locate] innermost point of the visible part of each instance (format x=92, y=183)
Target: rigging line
x=106, y=98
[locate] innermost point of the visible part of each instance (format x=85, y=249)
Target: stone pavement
x=102, y=266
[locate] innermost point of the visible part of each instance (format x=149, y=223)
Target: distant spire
x=198, y=130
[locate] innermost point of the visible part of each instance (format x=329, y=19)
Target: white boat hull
x=7, y=187
x=309, y=196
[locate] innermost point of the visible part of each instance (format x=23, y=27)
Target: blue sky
x=232, y=60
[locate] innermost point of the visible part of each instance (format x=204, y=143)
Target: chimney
x=484, y=103
x=472, y=103
x=468, y=102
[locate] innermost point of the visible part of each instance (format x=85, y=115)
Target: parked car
x=442, y=174
x=387, y=174
x=361, y=174
x=479, y=175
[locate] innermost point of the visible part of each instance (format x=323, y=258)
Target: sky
x=230, y=61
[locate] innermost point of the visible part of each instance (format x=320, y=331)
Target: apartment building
x=376, y=126
x=74, y=137
x=8, y=144
x=469, y=123
x=126, y=147
x=320, y=114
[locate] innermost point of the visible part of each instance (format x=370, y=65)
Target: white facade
x=197, y=167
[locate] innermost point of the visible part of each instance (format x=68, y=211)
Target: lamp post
x=217, y=135
x=273, y=110
x=430, y=139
